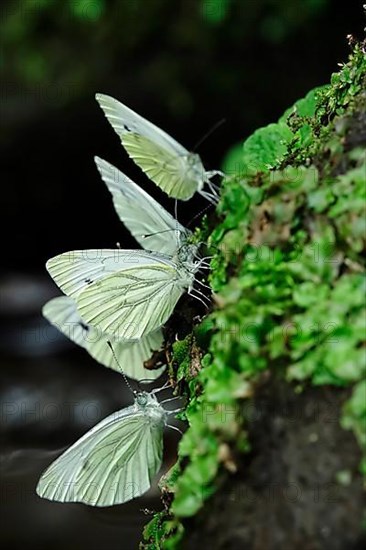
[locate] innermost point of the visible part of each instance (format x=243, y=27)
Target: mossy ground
x=288, y=275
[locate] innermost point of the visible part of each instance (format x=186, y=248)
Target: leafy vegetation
x=289, y=285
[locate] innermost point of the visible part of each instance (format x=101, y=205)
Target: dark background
x=184, y=65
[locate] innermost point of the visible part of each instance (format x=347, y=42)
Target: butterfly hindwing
x=131, y=355
x=170, y=172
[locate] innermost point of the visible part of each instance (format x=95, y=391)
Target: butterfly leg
x=194, y=291
x=170, y=399
x=214, y=188
x=203, y=285
x=211, y=173
x=211, y=197
x=164, y=387
x=174, y=428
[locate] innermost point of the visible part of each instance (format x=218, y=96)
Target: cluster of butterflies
x=125, y=297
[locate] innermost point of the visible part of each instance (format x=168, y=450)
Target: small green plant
x=289, y=284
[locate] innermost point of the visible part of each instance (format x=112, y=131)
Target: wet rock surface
x=300, y=486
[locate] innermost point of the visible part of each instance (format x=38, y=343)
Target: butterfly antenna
x=211, y=131
x=171, y=399
x=121, y=369
x=166, y=385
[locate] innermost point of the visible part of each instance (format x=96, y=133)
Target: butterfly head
x=187, y=253
x=195, y=167
x=193, y=159
x=146, y=400
x=186, y=258
x=142, y=399
x=151, y=407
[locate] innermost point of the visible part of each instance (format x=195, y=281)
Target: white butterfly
x=62, y=313
x=115, y=461
x=130, y=293
x=149, y=223
x=126, y=293
x=167, y=163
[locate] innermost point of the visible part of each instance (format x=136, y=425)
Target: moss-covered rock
x=289, y=285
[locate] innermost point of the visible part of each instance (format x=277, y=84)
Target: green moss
x=182, y=358
x=288, y=277
x=162, y=533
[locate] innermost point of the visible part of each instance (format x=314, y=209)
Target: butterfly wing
x=136, y=301
x=111, y=464
x=171, y=173
x=166, y=162
x=62, y=313
x=73, y=271
x=151, y=225
x=124, y=120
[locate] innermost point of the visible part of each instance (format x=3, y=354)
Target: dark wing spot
x=88, y=281
x=84, y=326
x=126, y=128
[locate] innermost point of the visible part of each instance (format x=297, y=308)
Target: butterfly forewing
x=75, y=270
x=124, y=120
x=131, y=303
x=151, y=225
x=112, y=463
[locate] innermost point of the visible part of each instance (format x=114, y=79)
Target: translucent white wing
x=179, y=177
x=124, y=120
x=73, y=271
x=113, y=463
x=176, y=171
x=151, y=225
x=136, y=301
x=63, y=314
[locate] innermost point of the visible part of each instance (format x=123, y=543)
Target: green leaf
x=266, y=148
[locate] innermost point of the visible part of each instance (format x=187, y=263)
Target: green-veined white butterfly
x=167, y=163
x=126, y=293
x=62, y=313
x=113, y=462
x=149, y=223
